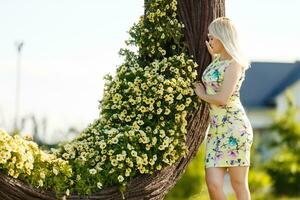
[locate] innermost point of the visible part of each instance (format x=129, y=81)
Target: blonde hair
x=223, y=29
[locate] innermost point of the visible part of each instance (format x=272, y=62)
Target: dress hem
x=228, y=166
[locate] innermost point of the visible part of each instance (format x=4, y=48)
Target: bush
x=284, y=168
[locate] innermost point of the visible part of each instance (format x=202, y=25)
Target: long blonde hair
x=223, y=29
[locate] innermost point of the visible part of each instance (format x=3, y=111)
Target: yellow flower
x=167, y=111
x=27, y=137
x=161, y=147
x=180, y=107
x=127, y=172
x=158, y=167
x=142, y=170
x=143, y=109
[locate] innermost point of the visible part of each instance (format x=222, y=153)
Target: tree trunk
x=196, y=15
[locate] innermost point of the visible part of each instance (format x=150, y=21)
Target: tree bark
x=196, y=15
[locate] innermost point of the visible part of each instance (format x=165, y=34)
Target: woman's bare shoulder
x=235, y=66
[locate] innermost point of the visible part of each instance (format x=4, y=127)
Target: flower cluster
x=21, y=158
x=159, y=34
x=142, y=125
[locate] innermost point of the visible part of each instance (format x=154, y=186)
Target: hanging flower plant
x=142, y=123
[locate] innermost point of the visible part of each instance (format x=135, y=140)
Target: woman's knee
x=239, y=184
x=214, y=183
x=238, y=178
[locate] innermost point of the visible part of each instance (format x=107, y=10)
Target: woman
x=230, y=134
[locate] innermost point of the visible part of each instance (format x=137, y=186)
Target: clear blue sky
x=70, y=45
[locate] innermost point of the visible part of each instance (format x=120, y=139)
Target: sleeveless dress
x=230, y=134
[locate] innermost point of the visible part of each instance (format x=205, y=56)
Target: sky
x=69, y=45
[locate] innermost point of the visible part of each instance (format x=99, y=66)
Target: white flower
x=114, y=162
x=179, y=97
x=55, y=171
x=133, y=153
x=159, y=110
x=102, y=144
x=41, y=183
x=120, y=157
x=162, y=133
x=99, y=185
x=120, y=178
x=93, y=171
x=170, y=89
x=154, y=140
x=42, y=174
x=124, y=153
x=129, y=146
x=115, y=140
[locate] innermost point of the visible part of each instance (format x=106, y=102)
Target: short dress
x=230, y=134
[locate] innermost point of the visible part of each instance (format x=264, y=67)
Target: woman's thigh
x=239, y=175
x=215, y=175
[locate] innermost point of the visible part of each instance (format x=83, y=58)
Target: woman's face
x=215, y=44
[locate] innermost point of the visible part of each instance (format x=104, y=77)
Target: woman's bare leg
x=214, y=177
x=239, y=182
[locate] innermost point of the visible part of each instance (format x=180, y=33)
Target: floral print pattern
x=230, y=133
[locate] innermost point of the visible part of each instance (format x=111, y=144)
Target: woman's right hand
x=210, y=50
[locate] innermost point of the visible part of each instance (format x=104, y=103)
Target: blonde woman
x=230, y=134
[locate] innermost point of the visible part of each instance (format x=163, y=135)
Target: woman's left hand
x=199, y=89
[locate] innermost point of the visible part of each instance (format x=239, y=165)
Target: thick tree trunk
x=196, y=15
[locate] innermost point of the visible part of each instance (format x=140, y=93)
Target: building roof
x=265, y=80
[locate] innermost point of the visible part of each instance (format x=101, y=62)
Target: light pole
x=19, y=45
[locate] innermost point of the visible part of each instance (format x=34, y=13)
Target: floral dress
x=230, y=133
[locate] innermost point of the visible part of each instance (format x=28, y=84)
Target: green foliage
x=192, y=181
x=284, y=167
x=259, y=181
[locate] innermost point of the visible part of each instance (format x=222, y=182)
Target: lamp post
x=19, y=45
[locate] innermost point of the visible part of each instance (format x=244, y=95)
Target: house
x=263, y=90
